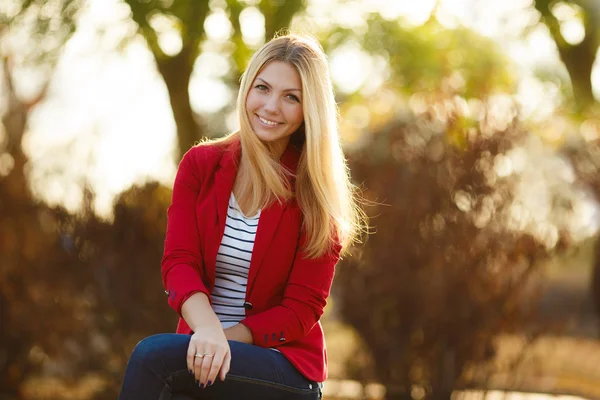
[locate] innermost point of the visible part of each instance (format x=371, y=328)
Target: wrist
x=239, y=333
x=210, y=324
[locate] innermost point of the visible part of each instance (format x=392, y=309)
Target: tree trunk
x=579, y=58
x=579, y=61
x=176, y=72
x=394, y=392
x=596, y=282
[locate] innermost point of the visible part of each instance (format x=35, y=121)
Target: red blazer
x=286, y=291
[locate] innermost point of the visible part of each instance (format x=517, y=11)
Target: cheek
x=297, y=115
x=251, y=102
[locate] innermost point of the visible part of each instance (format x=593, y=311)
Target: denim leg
x=259, y=373
x=157, y=369
x=152, y=366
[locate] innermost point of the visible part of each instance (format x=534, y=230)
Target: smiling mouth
x=267, y=122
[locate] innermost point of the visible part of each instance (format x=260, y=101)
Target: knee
x=147, y=350
x=237, y=347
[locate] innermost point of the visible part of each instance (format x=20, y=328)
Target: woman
x=258, y=221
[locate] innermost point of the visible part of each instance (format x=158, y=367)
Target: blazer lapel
x=269, y=220
x=224, y=180
x=269, y=217
x=267, y=225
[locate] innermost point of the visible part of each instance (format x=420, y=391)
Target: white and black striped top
x=233, y=264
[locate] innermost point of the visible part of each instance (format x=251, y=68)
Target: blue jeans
x=157, y=369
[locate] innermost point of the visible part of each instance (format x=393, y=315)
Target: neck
x=278, y=147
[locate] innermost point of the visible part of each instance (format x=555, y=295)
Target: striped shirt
x=233, y=264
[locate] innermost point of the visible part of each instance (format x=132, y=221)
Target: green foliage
x=424, y=58
x=278, y=16
x=189, y=14
x=48, y=24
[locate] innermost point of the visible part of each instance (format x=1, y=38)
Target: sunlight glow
x=350, y=68
x=217, y=26
x=211, y=64
x=109, y=111
x=208, y=95
x=169, y=38
x=413, y=12
x=252, y=24
x=573, y=31
x=108, y=116
x=571, y=25
x=170, y=42
x=596, y=76
x=9, y=8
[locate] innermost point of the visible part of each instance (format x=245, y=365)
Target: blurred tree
x=412, y=67
x=429, y=58
x=50, y=25
x=585, y=157
x=123, y=257
x=460, y=233
x=578, y=58
x=23, y=245
x=187, y=18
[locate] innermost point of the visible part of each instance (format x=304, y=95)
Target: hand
x=212, y=343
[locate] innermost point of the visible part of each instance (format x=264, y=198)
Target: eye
x=261, y=87
x=293, y=98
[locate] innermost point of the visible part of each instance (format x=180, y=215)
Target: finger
x=215, y=367
x=225, y=366
x=191, y=352
x=198, y=365
x=206, y=365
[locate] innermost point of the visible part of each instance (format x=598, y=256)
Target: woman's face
x=274, y=103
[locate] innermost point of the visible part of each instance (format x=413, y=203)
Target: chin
x=264, y=136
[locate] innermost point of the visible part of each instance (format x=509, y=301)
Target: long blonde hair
x=323, y=189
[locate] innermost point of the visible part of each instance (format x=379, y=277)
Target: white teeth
x=267, y=122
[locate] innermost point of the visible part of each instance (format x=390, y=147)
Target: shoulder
x=207, y=151
x=206, y=156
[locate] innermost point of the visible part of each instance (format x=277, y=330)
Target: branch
x=278, y=17
x=241, y=52
x=139, y=14
x=552, y=23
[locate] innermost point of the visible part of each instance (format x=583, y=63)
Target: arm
x=182, y=260
x=304, y=299
x=208, y=339
x=198, y=313
x=239, y=333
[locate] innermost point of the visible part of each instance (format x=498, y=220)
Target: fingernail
x=191, y=372
x=202, y=386
x=209, y=383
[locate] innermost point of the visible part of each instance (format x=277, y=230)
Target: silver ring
x=199, y=355
x=207, y=355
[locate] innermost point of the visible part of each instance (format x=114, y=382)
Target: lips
x=267, y=122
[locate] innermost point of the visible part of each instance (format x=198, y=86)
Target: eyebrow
x=285, y=90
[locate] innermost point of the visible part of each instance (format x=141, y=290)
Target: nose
x=271, y=105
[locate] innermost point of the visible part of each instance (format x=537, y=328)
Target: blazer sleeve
x=304, y=299
x=182, y=264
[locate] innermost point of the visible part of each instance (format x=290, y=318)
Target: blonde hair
x=323, y=189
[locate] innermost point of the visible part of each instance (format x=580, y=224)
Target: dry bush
x=466, y=213
x=78, y=292
x=585, y=157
